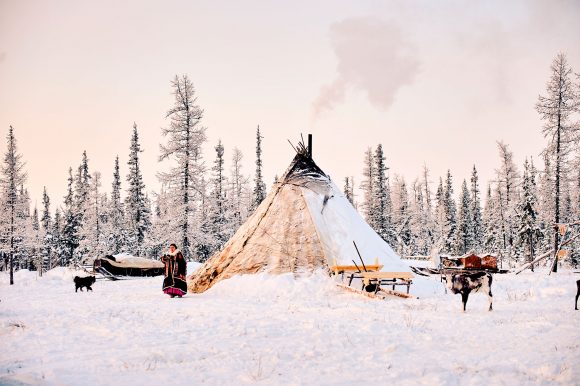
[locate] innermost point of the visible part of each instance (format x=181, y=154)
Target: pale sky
x=436, y=82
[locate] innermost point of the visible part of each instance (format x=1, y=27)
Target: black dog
x=577, y=293
x=81, y=282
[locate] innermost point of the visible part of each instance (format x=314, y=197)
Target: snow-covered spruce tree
x=91, y=243
x=352, y=195
x=239, y=190
x=533, y=172
x=349, y=189
x=58, y=249
x=69, y=237
x=419, y=222
x=545, y=195
x=555, y=108
x=429, y=222
x=465, y=236
x=529, y=231
x=204, y=239
x=46, y=231
x=440, y=228
x=259, y=185
x=402, y=218
x=185, y=137
x=346, y=189
x=368, y=188
x=476, y=215
x=81, y=204
x=115, y=230
x=137, y=207
x=162, y=233
x=36, y=243
x=382, y=201
x=220, y=231
x=575, y=248
x=492, y=238
x=82, y=187
x=24, y=243
x=508, y=179
x=12, y=176
x=450, y=236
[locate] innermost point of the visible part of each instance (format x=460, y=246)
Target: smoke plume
x=373, y=57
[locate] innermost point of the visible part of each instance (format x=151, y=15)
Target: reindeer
x=465, y=283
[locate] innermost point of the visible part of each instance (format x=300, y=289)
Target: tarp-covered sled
x=127, y=265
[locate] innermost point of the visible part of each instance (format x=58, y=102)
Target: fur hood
x=175, y=253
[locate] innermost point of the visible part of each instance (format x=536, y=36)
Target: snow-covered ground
x=277, y=330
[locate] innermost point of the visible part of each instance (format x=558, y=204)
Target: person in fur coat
x=174, y=283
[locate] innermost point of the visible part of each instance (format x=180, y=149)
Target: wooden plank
x=397, y=293
x=387, y=275
x=353, y=268
x=382, y=294
x=371, y=295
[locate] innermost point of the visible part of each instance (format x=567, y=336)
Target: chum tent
x=304, y=224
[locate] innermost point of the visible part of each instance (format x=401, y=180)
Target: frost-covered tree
x=259, y=185
x=441, y=226
x=348, y=190
x=492, y=240
x=69, y=237
x=368, y=188
x=508, y=180
x=575, y=248
x=220, y=229
x=59, y=250
x=429, y=223
x=137, y=207
x=82, y=187
x=402, y=218
x=80, y=205
x=465, y=228
x=35, y=242
x=382, y=207
x=420, y=228
x=205, y=241
x=450, y=236
x=529, y=231
x=46, y=232
x=476, y=215
x=25, y=243
x=556, y=108
x=12, y=176
x=162, y=233
x=185, y=137
x=91, y=244
x=546, y=199
x=115, y=231
x=239, y=190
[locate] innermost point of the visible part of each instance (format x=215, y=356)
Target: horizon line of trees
x=201, y=206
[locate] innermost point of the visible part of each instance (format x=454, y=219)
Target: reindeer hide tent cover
x=304, y=224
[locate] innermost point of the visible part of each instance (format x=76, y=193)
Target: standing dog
x=81, y=282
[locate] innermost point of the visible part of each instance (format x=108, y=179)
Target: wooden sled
x=382, y=293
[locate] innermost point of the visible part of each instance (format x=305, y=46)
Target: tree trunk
x=12, y=244
x=557, y=208
x=531, y=252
